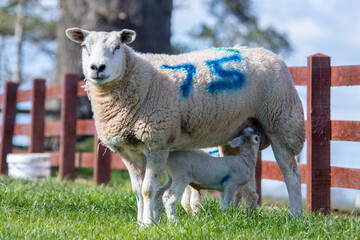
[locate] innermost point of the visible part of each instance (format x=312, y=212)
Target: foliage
x=39, y=28
x=7, y=22
x=235, y=23
x=85, y=145
x=53, y=209
x=39, y=23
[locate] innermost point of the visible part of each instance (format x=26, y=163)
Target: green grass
x=53, y=209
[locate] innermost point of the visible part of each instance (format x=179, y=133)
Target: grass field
x=53, y=209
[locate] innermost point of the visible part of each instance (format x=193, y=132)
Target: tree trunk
x=19, y=29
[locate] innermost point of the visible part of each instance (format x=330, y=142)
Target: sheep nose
x=98, y=69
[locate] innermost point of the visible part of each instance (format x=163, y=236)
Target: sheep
x=145, y=105
x=202, y=171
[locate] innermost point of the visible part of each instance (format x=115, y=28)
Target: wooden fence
x=318, y=174
x=67, y=128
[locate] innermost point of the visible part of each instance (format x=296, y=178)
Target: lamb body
x=146, y=105
x=202, y=171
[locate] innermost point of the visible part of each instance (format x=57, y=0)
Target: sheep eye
x=117, y=47
x=84, y=47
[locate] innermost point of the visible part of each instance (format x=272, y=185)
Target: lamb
x=145, y=105
x=202, y=171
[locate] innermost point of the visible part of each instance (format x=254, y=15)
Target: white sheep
x=202, y=171
x=146, y=105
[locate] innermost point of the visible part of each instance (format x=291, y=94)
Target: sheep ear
x=127, y=36
x=256, y=138
x=235, y=142
x=76, y=34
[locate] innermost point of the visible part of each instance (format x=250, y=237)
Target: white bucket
x=357, y=201
x=29, y=165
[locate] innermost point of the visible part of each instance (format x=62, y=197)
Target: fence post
x=258, y=176
x=102, y=167
x=37, y=116
x=8, y=123
x=68, y=126
x=318, y=133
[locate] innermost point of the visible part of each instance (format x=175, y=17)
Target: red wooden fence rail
x=319, y=176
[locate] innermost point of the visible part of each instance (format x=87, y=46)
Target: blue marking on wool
x=225, y=179
x=137, y=198
x=214, y=151
x=228, y=79
x=186, y=87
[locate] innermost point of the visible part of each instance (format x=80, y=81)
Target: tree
x=235, y=23
x=25, y=21
x=19, y=37
x=150, y=19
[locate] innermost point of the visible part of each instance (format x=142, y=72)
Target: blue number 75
x=228, y=79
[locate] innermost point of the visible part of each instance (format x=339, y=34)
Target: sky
x=331, y=27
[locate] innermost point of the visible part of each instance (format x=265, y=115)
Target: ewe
x=202, y=171
x=146, y=105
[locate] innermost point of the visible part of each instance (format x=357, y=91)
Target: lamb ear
x=76, y=34
x=256, y=138
x=235, y=142
x=127, y=36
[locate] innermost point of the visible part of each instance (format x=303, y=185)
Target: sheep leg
x=155, y=167
x=136, y=170
x=248, y=192
x=191, y=200
x=222, y=204
x=158, y=202
x=171, y=198
x=186, y=198
x=228, y=197
x=227, y=150
x=195, y=201
x=251, y=196
x=292, y=176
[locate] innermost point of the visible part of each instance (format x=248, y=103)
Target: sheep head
x=248, y=135
x=103, y=54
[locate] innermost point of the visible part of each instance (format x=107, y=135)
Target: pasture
x=54, y=209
